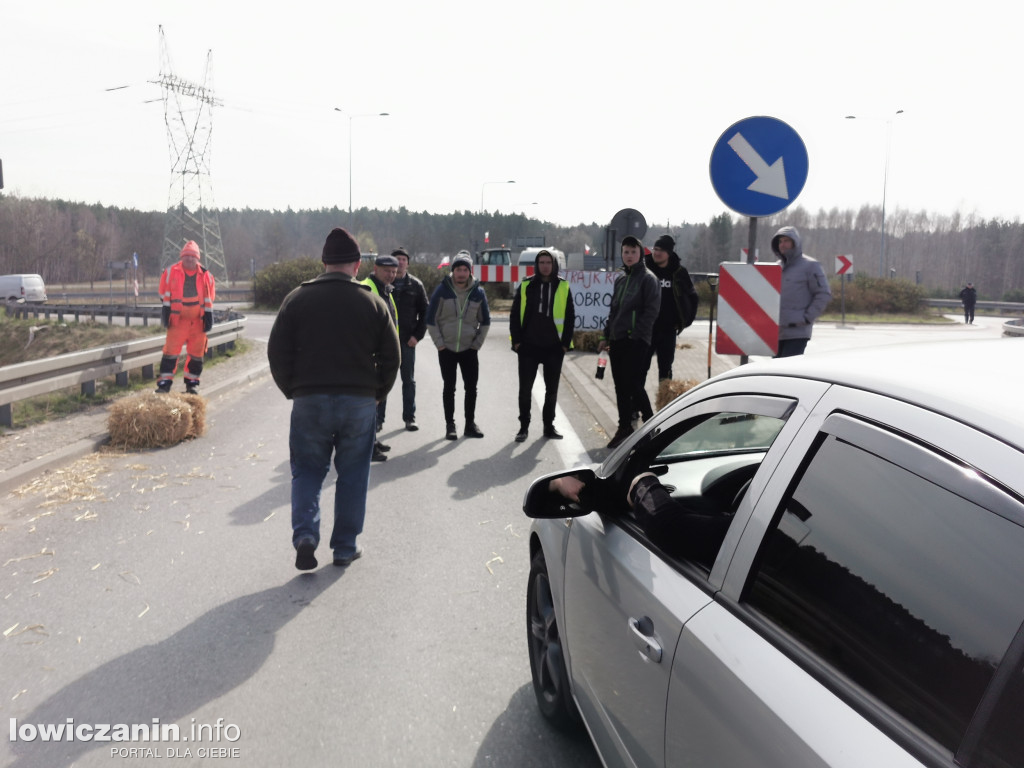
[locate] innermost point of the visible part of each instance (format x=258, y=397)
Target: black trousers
x=530, y=359
x=451, y=362
x=629, y=372
x=792, y=347
x=663, y=344
x=968, y=313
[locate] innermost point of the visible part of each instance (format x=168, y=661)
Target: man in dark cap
x=678, y=304
x=379, y=281
x=411, y=299
x=334, y=353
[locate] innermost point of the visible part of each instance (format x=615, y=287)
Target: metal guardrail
x=40, y=377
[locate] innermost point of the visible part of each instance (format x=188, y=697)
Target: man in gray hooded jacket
x=805, y=292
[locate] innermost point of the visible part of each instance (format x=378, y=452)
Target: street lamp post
x=885, y=184
x=350, y=119
x=484, y=185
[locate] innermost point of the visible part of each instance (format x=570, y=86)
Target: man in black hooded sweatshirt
x=678, y=304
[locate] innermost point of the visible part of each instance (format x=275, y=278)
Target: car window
x=901, y=576
x=704, y=468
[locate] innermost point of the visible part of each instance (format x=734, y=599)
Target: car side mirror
x=542, y=502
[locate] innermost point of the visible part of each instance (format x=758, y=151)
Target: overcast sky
x=589, y=106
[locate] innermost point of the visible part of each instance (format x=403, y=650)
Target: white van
x=27, y=288
x=529, y=255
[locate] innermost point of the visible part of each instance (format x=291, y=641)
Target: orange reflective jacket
x=172, y=284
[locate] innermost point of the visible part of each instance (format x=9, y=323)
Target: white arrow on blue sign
x=759, y=166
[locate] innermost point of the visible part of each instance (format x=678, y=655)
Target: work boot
x=522, y=434
x=551, y=433
x=163, y=387
x=379, y=446
x=191, y=387
x=378, y=455
x=472, y=430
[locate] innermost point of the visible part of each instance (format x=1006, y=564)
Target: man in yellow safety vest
x=541, y=324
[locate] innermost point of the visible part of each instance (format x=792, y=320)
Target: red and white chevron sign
x=487, y=273
x=748, y=309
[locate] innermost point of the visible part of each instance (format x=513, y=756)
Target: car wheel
x=547, y=659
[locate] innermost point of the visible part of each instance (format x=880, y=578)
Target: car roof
x=977, y=382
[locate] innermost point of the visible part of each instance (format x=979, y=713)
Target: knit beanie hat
x=665, y=243
x=463, y=258
x=340, y=248
x=191, y=248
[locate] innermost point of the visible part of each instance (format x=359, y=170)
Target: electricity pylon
x=191, y=214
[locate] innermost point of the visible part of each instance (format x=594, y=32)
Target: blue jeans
x=408, y=383
x=322, y=425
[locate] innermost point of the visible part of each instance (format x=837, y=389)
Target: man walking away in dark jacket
x=969, y=296
x=333, y=352
x=678, y=304
x=540, y=325
x=805, y=292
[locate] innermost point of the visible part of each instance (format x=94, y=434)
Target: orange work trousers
x=185, y=329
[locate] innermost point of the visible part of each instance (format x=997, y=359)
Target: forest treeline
x=72, y=243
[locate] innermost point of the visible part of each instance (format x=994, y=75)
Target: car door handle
x=646, y=642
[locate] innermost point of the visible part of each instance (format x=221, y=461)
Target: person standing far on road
x=187, y=292
x=379, y=282
x=411, y=299
x=333, y=352
x=636, y=300
x=969, y=296
x=805, y=292
x=541, y=324
x=458, y=320
x=678, y=304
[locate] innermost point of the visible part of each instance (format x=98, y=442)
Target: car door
x=865, y=618
x=627, y=596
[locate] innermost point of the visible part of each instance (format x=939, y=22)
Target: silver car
x=822, y=565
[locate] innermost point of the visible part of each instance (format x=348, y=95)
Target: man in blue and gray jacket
x=458, y=320
x=805, y=292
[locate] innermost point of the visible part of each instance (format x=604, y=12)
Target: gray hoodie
x=805, y=289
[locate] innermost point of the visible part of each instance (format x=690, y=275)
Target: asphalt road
x=164, y=587
x=160, y=586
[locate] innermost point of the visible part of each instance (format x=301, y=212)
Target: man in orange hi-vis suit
x=187, y=292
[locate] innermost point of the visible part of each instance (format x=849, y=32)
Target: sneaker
x=620, y=436
x=346, y=560
x=305, y=560
x=521, y=435
x=472, y=430
x=451, y=433
x=378, y=455
x=410, y=426
x=379, y=446
x=551, y=433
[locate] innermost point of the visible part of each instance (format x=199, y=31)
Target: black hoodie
x=678, y=296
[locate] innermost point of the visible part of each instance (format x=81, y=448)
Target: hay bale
x=198, y=405
x=670, y=389
x=150, y=420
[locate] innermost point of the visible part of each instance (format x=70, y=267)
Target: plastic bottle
x=602, y=363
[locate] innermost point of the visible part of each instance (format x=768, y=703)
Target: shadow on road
x=521, y=738
x=168, y=680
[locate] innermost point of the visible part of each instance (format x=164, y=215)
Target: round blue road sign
x=759, y=166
